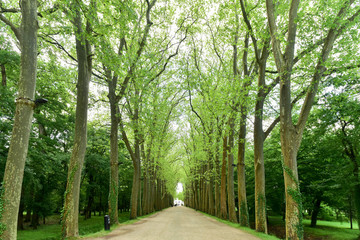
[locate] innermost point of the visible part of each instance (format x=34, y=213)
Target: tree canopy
x=252, y=105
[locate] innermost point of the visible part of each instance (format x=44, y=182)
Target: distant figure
x=178, y=202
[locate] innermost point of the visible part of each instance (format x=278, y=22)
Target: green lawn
x=331, y=230
x=53, y=231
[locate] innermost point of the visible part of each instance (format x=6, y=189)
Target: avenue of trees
x=107, y=105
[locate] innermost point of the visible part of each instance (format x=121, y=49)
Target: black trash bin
x=107, y=222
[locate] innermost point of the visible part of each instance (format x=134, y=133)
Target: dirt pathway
x=178, y=223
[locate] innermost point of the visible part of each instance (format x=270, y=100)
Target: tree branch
x=277, y=120
x=270, y=10
x=248, y=24
x=193, y=110
x=126, y=139
x=57, y=44
x=139, y=51
x=15, y=29
x=320, y=68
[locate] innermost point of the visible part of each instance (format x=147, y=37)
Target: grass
x=245, y=229
x=332, y=230
x=87, y=228
x=123, y=220
x=48, y=232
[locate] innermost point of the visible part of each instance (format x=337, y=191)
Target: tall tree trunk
x=217, y=186
x=315, y=211
x=293, y=214
x=21, y=216
x=158, y=194
x=35, y=220
x=136, y=162
x=28, y=214
x=90, y=198
x=223, y=205
x=196, y=195
x=114, y=149
x=259, y=138
x=70, y=215
x=14, y=170
x=243, y=208
x=351, y=212
x=230, y=176
x=3, y=75
x=136, y=184
x=153, y=187
x=210, y=190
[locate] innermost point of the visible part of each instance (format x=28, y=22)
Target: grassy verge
x=125, y=221
x=245, y=229
x=331, y=230
x=93, y=227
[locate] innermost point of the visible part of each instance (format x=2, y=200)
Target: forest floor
x=177, y=223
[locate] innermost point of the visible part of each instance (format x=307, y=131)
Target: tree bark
x=259, y=138
x=243, y=208
x=90, y=198
x=230, y=176
x=136, y=162
x=223, y=205
x=114, y=149
x=70, y=215
x=14, y=170
x=3, y=75
x=210, y=190
x=21, y=216
x=217, y=184
x=315, y=211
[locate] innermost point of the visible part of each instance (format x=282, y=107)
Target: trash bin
x=107, y=222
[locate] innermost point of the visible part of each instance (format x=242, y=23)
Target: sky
x=179, y=187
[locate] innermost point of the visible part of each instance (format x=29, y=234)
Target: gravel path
x=178, y=223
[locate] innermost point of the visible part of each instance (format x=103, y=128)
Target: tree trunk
x=211, y=190
x=70, y=215
x=315, y=211
x=114, y=149
x=136, y=163
x=223, y=205
x=217, y=184
x=90, y=196
x=259, y=138
x=35, y=220
x=243, y=209
x=14, y=170
x=350, y=213
x=230, y=179
x=293, y=213
x=145, y=193
x=21, y=216
x=28, y=214
x=135, y=188
x=153, y=188
x=357, y=192
x=196, y=195
x=3, y=75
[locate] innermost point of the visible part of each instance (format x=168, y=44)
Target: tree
x=83, y=52
x=26, y=34
x=291, y=134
